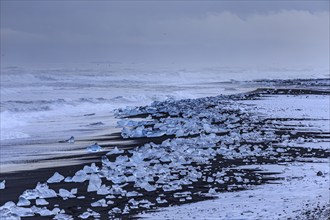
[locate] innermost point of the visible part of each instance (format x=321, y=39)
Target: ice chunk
x=210, y=179
x=126, y=123
x=68, y=179
x=67, y=194
x=80, y=176
x=43, y=211
x=6, y=214
x=118, y=179
x=85, y=215
x=116, y=210
x=70, y=140
x=91, y=169
x=132, y=194
x=148, y=187
x=117, y=190
x=109, y=202
x=94, y=183
x=115, y=151
x=103, y=190
x=161, y=201
x=41, y=191
x=41, y=202
x=56, y=178
x=10, y=211
x=45, y=192
x=212, y=191
x=74, y=191
x=94, y=148
x=126, y=209
x=63, y=216
x=30, y=194
x=99, y=203
x=23, y=201
x=3, y=184
x=157, y=133
x=89, y=213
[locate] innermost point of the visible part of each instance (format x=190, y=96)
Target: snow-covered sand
x=300, y=191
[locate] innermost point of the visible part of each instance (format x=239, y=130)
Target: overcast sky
x=224, y=33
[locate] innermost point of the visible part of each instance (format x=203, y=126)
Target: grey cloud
x=222, y=33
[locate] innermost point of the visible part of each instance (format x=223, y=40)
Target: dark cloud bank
x=265, y=33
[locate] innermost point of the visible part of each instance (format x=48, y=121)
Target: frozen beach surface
x=300, y=191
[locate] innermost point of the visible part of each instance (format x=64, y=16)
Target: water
x=47, y=105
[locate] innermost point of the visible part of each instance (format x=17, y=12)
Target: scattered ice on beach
x=94, y=183
x=3, y=184
x=94, y=148
x=10, y=211
x=176, y=163
x=56, y=178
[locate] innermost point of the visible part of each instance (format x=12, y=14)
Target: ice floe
x=3, y=184
x=56, y=178
x=94, y=148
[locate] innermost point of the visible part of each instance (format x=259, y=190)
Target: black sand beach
x=18, y=182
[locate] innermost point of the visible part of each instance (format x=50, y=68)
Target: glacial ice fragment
x=56, y=178
x=42, y=191
x=23, y=201
x=158, y=133
x=132, y=194
x=94, y=148
x=91, y=169
x=66, y=194
x=115, y=151
x=63, y=216
x=80, y=176
x=70, y=140
x=43, y=211
x=88, y=214
x=99, y=203
x=115, y=210
x=161, y=201
x=94, y=183
x=3, y=184
x=103, y=190
x=41, y=202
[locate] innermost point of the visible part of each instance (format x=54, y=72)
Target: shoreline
x=17, y=182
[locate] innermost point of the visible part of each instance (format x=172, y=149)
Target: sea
x=48, y=104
